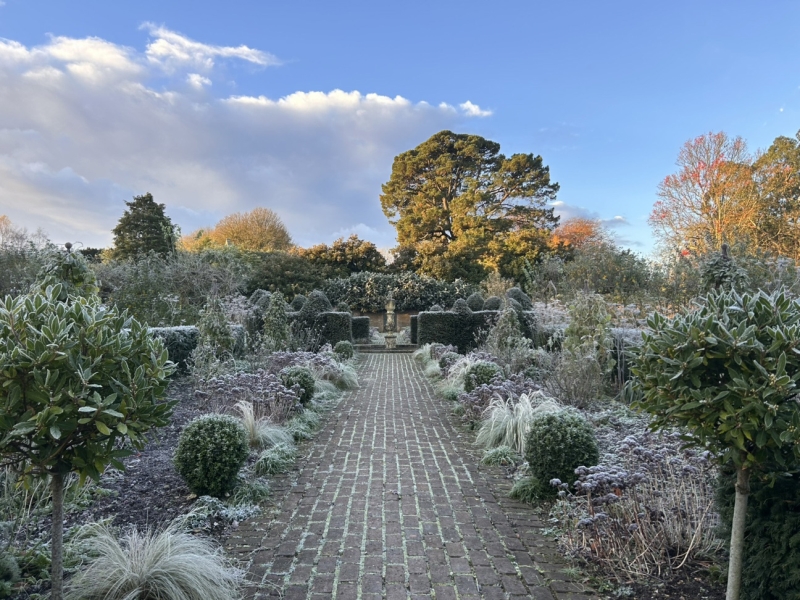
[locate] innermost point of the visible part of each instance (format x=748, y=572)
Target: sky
x=301, y=106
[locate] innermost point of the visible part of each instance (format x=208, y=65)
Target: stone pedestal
x=391, y=340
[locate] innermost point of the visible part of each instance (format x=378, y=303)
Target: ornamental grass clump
x=726, y=372
x=277, y=459
x=477, y=401
x=508, y=420
x=261, y=433
x=210, y=453
x=170, y=565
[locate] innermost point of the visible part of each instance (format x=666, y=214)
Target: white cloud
x=197, y=81
x=473, y=110
x=170, y=50
x=81, y=131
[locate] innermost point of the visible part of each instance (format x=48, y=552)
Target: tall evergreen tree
x=465, y=209
x=143, y=228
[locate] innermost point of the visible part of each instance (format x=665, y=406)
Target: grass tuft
x=170, y=565
x=277, y=459
x=502, y=455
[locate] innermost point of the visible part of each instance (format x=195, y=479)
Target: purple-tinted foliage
x=270, y=398
x=322, y=361
x=476, y=401
x=437, y=350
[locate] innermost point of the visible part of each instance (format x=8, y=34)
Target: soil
x=149, y=493
x=691, y=583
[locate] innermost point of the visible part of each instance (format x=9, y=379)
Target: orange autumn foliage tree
x=711, y=200
x=578, y=233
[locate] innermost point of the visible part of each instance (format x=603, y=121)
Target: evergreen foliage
x=303, y=377
x=475, y=301
x=481, y=373
x=215, y=332
x=558, y=443
x=71, y=271
x=465, y=209
x=211, y=451
x=143, y=228
x=344, y=350
x=771, y=566
x=277, y=332
x=77, y=380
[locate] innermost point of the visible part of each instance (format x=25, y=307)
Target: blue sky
x=103, y=100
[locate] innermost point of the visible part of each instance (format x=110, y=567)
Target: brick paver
x=390, y=503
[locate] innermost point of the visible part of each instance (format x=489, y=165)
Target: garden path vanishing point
x=390, y=503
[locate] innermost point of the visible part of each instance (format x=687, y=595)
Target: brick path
x=391, y=503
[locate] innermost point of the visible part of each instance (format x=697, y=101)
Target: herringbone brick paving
x=390, y=503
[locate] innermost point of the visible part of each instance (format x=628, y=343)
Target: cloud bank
x=85, y=124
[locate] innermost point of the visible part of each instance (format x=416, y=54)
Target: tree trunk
x=57, y=541
x=737, y=534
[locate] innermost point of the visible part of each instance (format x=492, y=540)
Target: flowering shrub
x=270, y=398
x=646, y=509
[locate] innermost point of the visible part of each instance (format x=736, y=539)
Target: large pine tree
x=143, y=228
x=462, y=209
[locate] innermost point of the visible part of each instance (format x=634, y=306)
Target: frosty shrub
x=558, y=443
x=277, y=332
x=265, y=391
x=493, y=303
x=480, y=373
x=343, y=350
x=576, y=378
x=302, y=377
x=211, y=451
x=507, y=421
x=215, y=330
x=506, y=342
x=646, y=510
x=475, y=302
x=589, y=330
x=478, y=400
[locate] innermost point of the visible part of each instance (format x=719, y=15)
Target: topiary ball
x=301, y=376
x=475, y=302
x=435, y=308
x=493, y=303
x=558, y=443
x=447, y=359
x=343, y=350
x=343, y=307
x=260, y=298
x=480, y=373
x=211, y=451
x=298, y=302
x=460, y=307
x=524, y=300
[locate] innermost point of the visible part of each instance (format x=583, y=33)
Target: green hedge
x=335, y=327
x=414, y=328
x=180, y=342
x=453, y=329
x=367, y=292
x=360, y=328
x=461, y=329
x=332, y=326
x=771, y=568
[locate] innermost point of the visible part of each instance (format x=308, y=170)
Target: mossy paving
x=390, y=503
